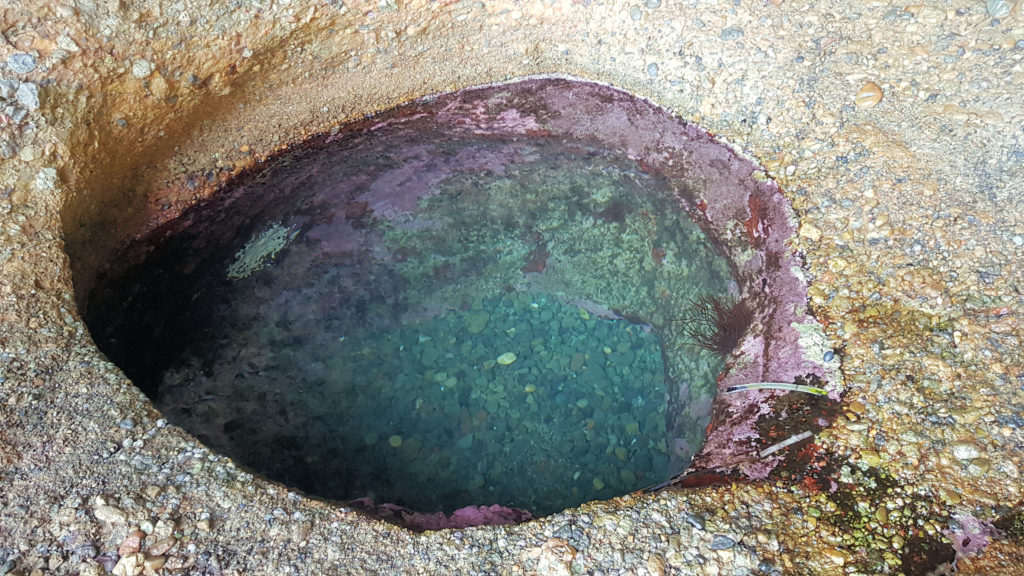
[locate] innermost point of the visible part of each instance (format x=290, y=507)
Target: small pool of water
x=429, y=319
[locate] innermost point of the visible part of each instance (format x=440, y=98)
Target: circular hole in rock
x=486, y=297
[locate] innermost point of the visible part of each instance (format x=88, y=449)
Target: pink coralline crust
x=973, y=537
x=469, y=516
x=469, y=111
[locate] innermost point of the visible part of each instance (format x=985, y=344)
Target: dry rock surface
x=896, y=130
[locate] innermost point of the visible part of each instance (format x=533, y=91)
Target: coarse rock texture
x=896, y=132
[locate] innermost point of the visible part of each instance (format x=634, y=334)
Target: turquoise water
x=500, y=331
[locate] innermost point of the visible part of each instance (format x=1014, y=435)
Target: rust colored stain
x=754, y=225
x=658, y=254
x=537, y=260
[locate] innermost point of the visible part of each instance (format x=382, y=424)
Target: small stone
x=395, y=441
x=965, y=451
x=582, y=403
x=162, y=546
x=621, y=453
x=142, y=68
x=635, y=13
x=507, y=358
x=731, y=33
x=158, y=87
x=652, y=69
x=8, y=149
x=656, y=565
x=110, y=514
x=882, y=514
x=66, y=43
x=27, y=95
x=871, y=458
x=869, y=95
x=476, y=321
x=147, y=526
x=130, y=565
x=722, y=542
x=598, y=484
x=838, y=557
x=810, y=232
x=980, y=466
x=694, y=520
x=530, y=389
x=8, y=88
x=21, y=63
x=627, y=477
x=131, y=544
x=204, y=525
x=998, y=8
x=154, y=563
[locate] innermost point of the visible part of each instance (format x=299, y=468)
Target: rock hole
x=474, y=299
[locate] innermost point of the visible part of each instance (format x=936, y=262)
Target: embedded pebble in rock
x=998, y=8
x=110, y=514
x=141, y=69
x=476, y=321
x=153, y=564
x=28, y=95
x=965, y=451
x=21, y=63
x=694, y=520
x=869, y=95
x=8, y=88
x=731, y=33
x=8, y=149
x=722, y=542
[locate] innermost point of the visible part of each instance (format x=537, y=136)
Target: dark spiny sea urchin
x=716, y=324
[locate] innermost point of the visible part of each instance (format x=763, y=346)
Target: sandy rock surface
x=897, y=131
